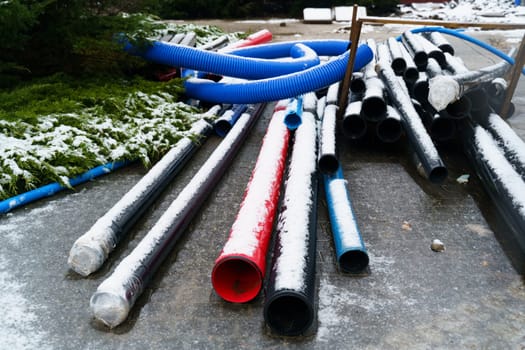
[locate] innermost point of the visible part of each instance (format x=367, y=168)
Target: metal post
x=514, y=77
x=355, y=33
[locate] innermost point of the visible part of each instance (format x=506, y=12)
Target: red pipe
x=239, y=270
x=260, y=37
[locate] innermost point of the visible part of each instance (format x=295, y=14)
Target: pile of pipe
x=271, y=247
x=416, y=84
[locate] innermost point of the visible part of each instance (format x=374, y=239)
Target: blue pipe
x=52, y=188
x=278, y=88
x=460, y=35
x=225, y=122
x=228, y=64
x=349, y=246
x=294, y=112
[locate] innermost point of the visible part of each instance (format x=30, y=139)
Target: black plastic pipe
x=389, y=130
x=411, y=73
x=512, y=145
x=439, y=40
x=398, y=63
x=90, y=251
x=328, y=160
x=357, y=84
x=354, y=126
x=432, y=50
x=420, y=141
x=289, y=303
x=454, y=64
x=225, y=122
x=416, y=49
x=500, y=180
x=116, y=295
x=374, y=103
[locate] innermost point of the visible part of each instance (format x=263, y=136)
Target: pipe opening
x=357, y=86
x=236, y=279
x=421, y=60
x=460, y=108
x=353, y=261
x=443, y=129
x=438, y=174
x=411, y=74
x=399, y=66
x=292, y=121
x=354, y=127
x=328, y=163
x=389, y=130
x=289, y=315
x=222, y=127
x=420, y=90
x=374, y=108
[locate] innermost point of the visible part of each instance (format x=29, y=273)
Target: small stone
x=437, y=246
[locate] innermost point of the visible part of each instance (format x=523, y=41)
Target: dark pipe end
x=374, y=108
x=389, y=130
x=289, y=313
x=443, y=129
x=236, y=279
x=447, y=48
x=439, y=56
x=459, y=109
x=420, y=90
x=438, y=174
x=421, y=60
x=354, y=127
x=411, y=74
x=222, y=127
x=292, y=121
x=399, y=66
x=357, y=86
x=353, y=261
x=328, y=163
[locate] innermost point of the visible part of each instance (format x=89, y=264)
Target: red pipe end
x=236, y=279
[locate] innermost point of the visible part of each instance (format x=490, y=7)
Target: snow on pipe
x=328, y=161
x=116, y=295
x=239, y=271
x=398, y=63
x=503, y=184
x=373, y=107
x=90, y=251
x=439, y=40
x=470, y=39
x=389, y=130
x=350, y=250
x=433, y=166
x=512, y=145
x=416, y=49
x=50, y=189
x=454, y=64
x=293, y=113
x=224, y=123
x=432, y=50
x=289, y=302
x=411, y=73
x=277, y=88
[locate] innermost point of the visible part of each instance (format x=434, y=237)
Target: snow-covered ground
x=501, y=11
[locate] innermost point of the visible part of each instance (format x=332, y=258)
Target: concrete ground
x=469, y=296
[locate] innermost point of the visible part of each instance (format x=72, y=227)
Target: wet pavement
x=469, y=296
